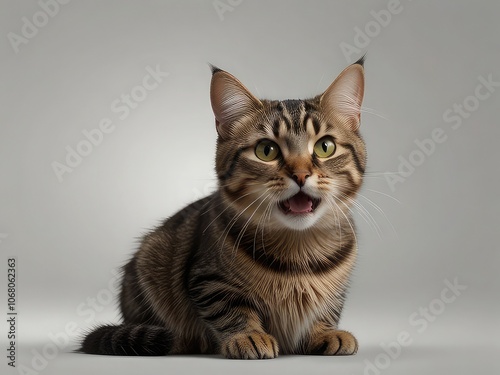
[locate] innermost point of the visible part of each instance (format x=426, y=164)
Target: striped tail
x=128, y=339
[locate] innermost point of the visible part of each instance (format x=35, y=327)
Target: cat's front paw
x=333, y=342
x=252, y=345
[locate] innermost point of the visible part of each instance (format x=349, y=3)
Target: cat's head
x=292, y=163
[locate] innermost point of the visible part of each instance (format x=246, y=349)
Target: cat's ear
x=341, y=102
x=230, y=100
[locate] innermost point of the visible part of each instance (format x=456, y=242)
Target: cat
x=261, y=266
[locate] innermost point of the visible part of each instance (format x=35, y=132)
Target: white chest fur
x=293, y=304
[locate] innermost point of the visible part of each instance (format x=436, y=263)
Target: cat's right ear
x=230, y=100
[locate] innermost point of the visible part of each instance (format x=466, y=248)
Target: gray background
x=440, y=224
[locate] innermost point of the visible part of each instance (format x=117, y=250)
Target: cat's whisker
x=228, y=207
x=236, y=245
x=380, y=175
x=385, y=195
x=348, y=220
x=360, y=206
x=365, y=214
x=372, y=111
x=267, y=217
x=247, y=183
x=247, y=223
x=262, y=221
x=235, y=218
x=209, y=201
x=371, y=174
x=379, y=209
x=337, y=216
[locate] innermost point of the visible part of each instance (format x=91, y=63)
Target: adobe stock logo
x=372, y=29
x=122, y=107
x=31, y=26
x=455, y=117
x=61, y=341
x=224, y=6
x=419, y=321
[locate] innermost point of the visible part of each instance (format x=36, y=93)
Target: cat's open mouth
x=300, y=203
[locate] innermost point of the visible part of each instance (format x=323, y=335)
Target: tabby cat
x=261, y=266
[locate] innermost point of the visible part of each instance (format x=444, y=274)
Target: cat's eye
x=325, y=147
x=267, y=150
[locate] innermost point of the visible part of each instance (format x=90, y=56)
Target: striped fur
x=234, y=273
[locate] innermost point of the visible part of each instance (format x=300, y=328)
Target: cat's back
x=166, y=247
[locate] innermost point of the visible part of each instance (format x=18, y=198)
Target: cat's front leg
x=249, y=345
x=242, y=336
x=326, y=340
x=236, y=323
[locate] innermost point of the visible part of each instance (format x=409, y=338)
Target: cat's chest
x=302, y=291
x=293, y=304
x=296, y=289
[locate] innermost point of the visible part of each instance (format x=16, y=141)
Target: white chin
x=297, y=221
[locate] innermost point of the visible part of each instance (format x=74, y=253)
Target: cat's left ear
x=341, y=102
x=230, y=100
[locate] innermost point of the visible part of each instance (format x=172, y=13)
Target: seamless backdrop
x=106, y=129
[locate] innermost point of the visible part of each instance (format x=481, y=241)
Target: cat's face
x=292, y=164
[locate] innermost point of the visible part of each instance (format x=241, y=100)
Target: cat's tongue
x=300, y=203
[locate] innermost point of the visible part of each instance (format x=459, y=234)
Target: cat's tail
x=128, y=339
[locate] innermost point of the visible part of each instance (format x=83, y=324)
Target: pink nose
x=300, y=177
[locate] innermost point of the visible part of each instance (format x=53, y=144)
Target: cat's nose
x=300, y=177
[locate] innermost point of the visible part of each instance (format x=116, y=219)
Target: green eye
x=325, y=147
x=267, y=150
